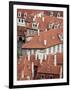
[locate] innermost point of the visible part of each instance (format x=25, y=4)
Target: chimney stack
x=45, y=42
x=32, y=70
x=28, y=56
x=22, y=75
x=61, y=72
x=43, y=19
x=55, y=60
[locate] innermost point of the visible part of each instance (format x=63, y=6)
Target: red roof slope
x=50, y=36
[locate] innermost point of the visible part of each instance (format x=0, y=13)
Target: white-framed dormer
x=21, y=22
x=19, y=14
x=34, y=25
x=51, y=25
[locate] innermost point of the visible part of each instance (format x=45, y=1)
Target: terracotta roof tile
x=38, y=41
x=49, y=69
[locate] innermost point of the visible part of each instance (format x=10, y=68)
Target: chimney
x=46, y=30
x=32, y=70
x=37, y=24
x=45, y=42
x=61, y=72
x=28, y=56
x=43, y=19
x=55, y=60
x=22, y=75
x=41, y=61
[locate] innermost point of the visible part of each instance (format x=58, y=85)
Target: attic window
x=51, y=25
x=19, y=20
x=19, y=14
x=42, y=77
x=34, y=25
x=58, y=14
x=61, y=37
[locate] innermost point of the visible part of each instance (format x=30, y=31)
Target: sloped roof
x=51, y=69
x=50, y=36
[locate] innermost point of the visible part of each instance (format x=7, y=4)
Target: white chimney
x=45, y=42
x=46, y=30
x=43, y=19
x=32, y=69
x=28, y=56
x=55, y=60
x=61, y=72
x=37, y=24
x=41, y=61
x=22, y=75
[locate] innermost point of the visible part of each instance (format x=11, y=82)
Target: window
x=19, y=20
x=22, y=20
x=34, y=25
x=55, y=26
x=50, y=76
x=19, y=14
x=42, y=76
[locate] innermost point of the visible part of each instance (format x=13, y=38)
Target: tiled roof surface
x=51, y=69
x=50, y=36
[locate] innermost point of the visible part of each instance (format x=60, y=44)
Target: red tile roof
x=47, y=19
x=49, y=69
x=50, y=36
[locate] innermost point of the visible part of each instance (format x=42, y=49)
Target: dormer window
x=51, y=13
x=22, y=20
x=55, y=26
x=34, y=25
x=58, y=14
x=61, y=37
x=19, y=14
x=19, y=20
x=51, y=25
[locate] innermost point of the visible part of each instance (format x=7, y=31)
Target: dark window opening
x=20, y=38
